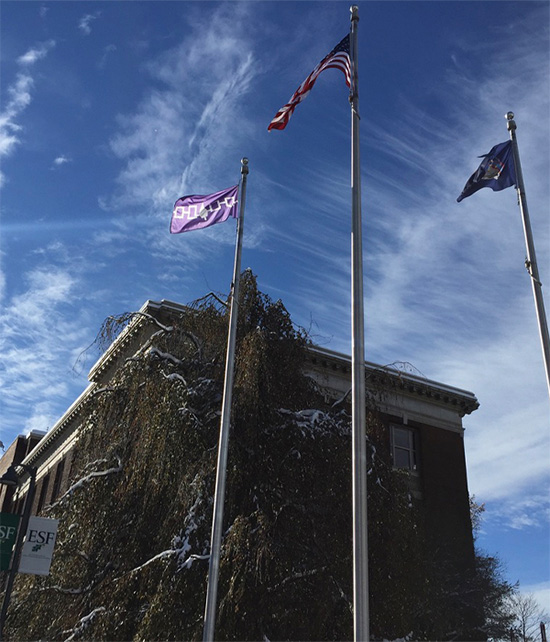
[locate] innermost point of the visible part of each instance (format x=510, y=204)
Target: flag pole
x=219, y=495
x=359, y=458
x=531, y=260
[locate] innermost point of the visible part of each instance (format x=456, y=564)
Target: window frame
x=42, y=498
x=57, y=481
x=411, y=448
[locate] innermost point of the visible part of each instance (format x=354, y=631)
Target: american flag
x=338, y=58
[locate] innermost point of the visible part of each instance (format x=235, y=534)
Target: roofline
x=133, y=326
x=72, y=411
x=118, y=344
x=466, y=399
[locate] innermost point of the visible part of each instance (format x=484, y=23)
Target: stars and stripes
x=338, y=58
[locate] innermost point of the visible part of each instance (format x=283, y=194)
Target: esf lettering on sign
x=41, y=537
x=6, y=532
x=37, y=552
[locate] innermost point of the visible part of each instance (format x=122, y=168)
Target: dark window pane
x=401, y=458
x=401, y=437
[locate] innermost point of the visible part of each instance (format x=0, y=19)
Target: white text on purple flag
x=195, y=212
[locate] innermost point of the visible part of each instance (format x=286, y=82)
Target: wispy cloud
x=528, y=511
x=85, y=23
x=540, y=591
x=445, y=286
x=36, y=53
x=19, y=98
x=60, y=160
x=38, y=348
x=437, y=272
x=107, y=51
x=183, y=130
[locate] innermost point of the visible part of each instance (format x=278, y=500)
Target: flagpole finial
x=244, y=165
x=354, y=10
x=511, y=124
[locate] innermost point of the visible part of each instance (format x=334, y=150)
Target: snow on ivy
x=165, y=356
x=312, y=422
x=181, y=543
x=83, y=624
x=85, y=480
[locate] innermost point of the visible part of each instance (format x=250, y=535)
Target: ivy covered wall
x=133, y=542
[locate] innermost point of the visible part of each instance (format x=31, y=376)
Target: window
x=43, y=491
x=404, y=448
x=57, y=480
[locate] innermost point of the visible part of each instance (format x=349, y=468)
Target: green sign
x=8, y=532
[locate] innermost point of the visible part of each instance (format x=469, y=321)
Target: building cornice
x=102, y=365
x=377, y=376
x=61, y=425
x=460, y=401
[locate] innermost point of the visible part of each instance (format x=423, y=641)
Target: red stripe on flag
x=338, y=58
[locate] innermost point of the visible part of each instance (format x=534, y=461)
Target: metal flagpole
x=219, y=495
x=359, y=472
x=531, y=260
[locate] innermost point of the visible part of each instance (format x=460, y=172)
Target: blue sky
x=112, y=110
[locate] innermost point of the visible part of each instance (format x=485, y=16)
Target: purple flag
x=195, y=212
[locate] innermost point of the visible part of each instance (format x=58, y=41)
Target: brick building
x=423, y=421
x=14, y=455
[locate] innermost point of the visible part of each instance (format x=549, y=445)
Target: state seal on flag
x=494, y=169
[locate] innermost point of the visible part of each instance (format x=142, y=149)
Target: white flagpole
x=531, y=260
x=219, y=495
x=359, y=472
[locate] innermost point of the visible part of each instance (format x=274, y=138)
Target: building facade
x=14, y=455
x=423, y=423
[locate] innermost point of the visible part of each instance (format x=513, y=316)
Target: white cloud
x=19, y=98
x=183, y=130
x=541, y=593
x=109, y=49
x=61, y=160
x=531, y=509
x=36, y=53
x=38, y=338
x=53, y=286
x=445, y=284
x=86, y=21
x=445, y=287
